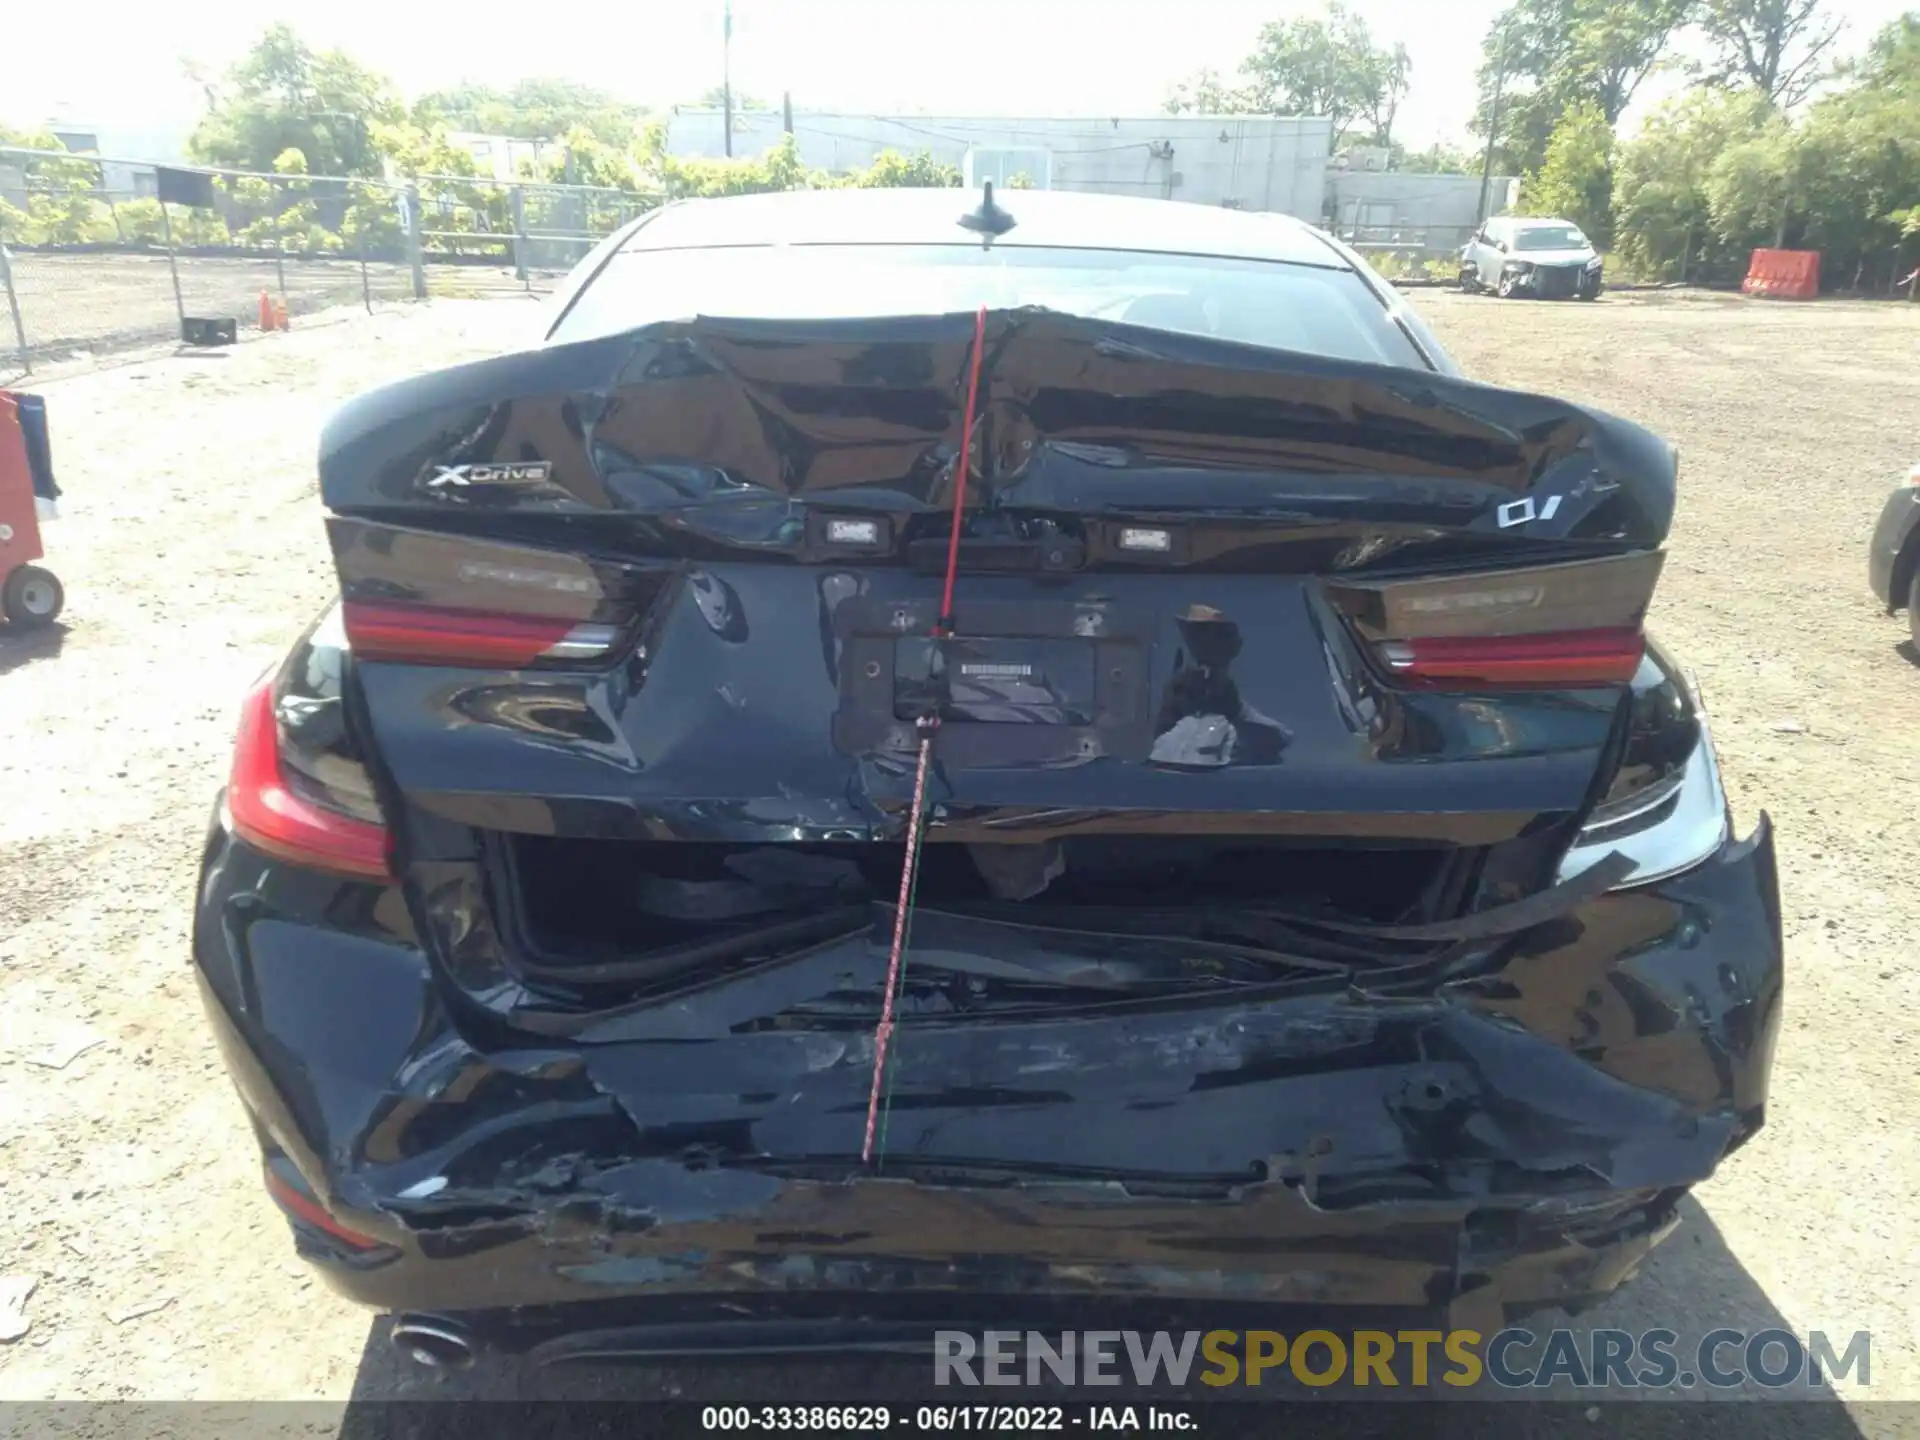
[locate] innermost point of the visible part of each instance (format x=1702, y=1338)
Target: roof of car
x=931, y=217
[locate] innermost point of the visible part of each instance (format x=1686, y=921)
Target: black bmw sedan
x=916, y=758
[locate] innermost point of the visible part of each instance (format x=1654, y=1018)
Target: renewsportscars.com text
x=1513, y=1358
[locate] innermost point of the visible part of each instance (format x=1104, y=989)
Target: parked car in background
x=1329, y=890
x=1893, y=558
x=1519, y=255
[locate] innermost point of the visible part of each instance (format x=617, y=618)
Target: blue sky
x=1082, y=57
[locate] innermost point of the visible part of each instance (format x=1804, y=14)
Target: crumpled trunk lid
x=1184, y=570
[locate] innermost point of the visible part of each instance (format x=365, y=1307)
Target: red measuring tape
x=916, y=815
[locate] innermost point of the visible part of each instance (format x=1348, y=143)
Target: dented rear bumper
x=1518, y=1139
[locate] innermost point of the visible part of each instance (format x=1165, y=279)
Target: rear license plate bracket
x=1026, y=683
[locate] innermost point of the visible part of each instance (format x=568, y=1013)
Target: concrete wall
x=1247, y=162
x=1434, y=212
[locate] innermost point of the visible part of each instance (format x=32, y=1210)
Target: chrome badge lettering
x=1522, y=512
x=479, y=570
x=524, y=474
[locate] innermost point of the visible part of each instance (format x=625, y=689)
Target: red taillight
x=430, y=635
x=1569, y=657
x=270, y=816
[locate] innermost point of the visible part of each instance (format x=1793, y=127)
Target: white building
x=1393, y=210
x=500, y=156
x=1244, y=162
x=129, y=151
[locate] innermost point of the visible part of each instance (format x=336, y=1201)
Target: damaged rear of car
x=1328, y=895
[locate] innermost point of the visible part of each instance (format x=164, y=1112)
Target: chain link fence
x=1410, y=254
x=1407, y=239
x=93, y=261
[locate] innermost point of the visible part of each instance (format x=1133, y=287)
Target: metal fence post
x=414, y=256
x=173, y=269
x=13, y=304
x=275, y=203
x=366, y=285
x=517, y=196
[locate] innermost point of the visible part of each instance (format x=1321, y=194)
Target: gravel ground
x=193, y=554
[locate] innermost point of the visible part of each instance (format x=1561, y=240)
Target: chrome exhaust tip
x=437, y=1344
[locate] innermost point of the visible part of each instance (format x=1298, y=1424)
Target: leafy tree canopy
x=1576, y=180
x=1716, y=173
x=1313, y=65
x=531, y=110
x=1546, y=58
x=284, y=95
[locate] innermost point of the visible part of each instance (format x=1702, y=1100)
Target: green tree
x=1437, y=159
x=893, y=171
x=456, y=201
x=1314, y=65
x=1385, y=76
x=1545, y=57
x=287, y=215
x=778, y=169
x=1576, y=180
x=63, y=204
x=1205, y=93
x=1715, y=174
x=1322, y=65
x=1776, y=46
x=285, y=96
x=1668, y=178
x=537, y=109
x=1857, y=162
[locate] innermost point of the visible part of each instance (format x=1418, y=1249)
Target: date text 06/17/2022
x=940, y=1419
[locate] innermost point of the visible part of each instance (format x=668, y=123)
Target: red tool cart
x=30, y=596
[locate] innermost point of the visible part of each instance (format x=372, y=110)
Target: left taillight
x=298, y=790
x=437, y=635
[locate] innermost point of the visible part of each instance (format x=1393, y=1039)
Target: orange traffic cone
x=266, y=311
x=280, y=314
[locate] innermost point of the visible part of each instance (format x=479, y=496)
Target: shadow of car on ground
x=1692, y=1285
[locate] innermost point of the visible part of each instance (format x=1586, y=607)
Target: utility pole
x=786, y=111
x=726, y=71
x=1493, y=121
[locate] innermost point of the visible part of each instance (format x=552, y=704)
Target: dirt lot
x=193, y=553
x=105, y=303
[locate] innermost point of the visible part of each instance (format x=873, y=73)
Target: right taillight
x=1568, y=657
x=1567, y=625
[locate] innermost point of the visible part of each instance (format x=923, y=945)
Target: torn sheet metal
x=1528, y=1128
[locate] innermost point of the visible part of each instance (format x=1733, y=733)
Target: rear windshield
x=1272, y=303
x=1550, y=237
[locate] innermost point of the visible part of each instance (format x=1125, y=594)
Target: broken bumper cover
x=1520, y=1139
x=1556, y=282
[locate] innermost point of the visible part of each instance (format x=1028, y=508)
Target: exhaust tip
x=433, y=1343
